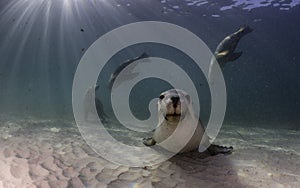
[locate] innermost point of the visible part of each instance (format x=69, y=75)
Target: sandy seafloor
x=48, y=153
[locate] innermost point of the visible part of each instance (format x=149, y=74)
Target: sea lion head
x=173, y=105
x=244, y=30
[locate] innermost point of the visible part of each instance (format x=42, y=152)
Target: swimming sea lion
x=175, y=111
x=123, y=66
x=225, y=50
x=89, y=101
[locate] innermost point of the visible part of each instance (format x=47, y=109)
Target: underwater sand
x=44, y=153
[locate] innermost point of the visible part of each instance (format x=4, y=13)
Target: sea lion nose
x=175, y=100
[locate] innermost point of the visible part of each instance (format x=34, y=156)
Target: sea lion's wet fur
x=175, y=109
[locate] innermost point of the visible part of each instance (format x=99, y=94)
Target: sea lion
x=123, y=66
x=89, y=101
x=174, y=110
x=225, y=50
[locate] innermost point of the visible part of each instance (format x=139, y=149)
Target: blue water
x=42, y=42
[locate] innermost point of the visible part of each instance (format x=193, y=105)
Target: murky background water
x=42, y=41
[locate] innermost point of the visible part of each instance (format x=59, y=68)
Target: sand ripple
x=37, y=156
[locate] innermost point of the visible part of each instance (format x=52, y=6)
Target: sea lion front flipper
x=234, y=56
x=222, y=54
x=149, y=141
x=215, y=149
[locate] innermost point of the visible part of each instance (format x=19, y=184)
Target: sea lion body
x=225, y=51
x=90, y=100
x=175, y=112
x=122, y=67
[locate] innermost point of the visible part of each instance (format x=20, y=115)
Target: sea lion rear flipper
x=149, y=141
x=234, y=56
x=215, y=149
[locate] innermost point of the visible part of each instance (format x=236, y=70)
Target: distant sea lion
x=123, y=66
x=225, y=50
x=89, y=101
x=175, y=108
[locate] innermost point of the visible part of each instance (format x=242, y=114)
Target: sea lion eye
x=161, y=97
